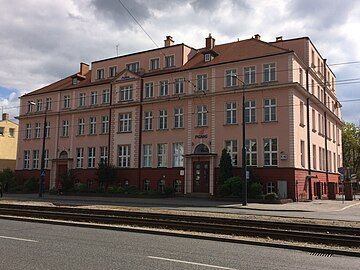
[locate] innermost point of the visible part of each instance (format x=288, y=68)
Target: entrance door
x=282, y=189
x=61, y=171
x=201, y=176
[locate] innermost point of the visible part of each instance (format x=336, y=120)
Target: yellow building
x=8, y=142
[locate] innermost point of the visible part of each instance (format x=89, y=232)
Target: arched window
x=63, y=155
x=201, y=149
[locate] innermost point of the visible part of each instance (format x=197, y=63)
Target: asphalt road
x=29, y=246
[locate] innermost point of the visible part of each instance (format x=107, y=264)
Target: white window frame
x=232, y=148
x=270, y=187
x=271, y=142
x=124, y=156
x=82, y=99
x=302, y=153
x=179, y=86
x=37, y=130
x=178, y=118
x=26, y=159
x=93, y=98
x=202, y=84
x=91, y=157
x=133, y=67
x=163, y=119
x=65, y=128
x=46, y=158
x=314, y=157
x=105, y=124
x=48, y=103
x=202, y=112
x=100, y=74
x=106, y=96
x=39, y=105
x=251, y=152
x=269, y=72
x=231, y=113
x=104, y=154
x=161, y=155
x=149, y=90
x=92, y=126
x=126, y=93
x=28, y=131
x=178, y=154
x=148, y=120
x=270, y=108
x=66, y=101
x=147, y=156
x=81, y=126
x=164, y=88
x=36, y=158
x=79, y=157
x=47, y=129
x=112, y=71
x=250, y=111
x=230, y=78
x=125, y=122
x=154, y=64
x=250, y=75
x=169, y=61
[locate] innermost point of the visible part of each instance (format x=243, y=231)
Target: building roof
x=228, y=52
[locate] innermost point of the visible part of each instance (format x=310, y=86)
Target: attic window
x=207, y=57
x=74, y=81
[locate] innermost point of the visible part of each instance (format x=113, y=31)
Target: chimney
x=279, y=38
x=84, y=68
x=169, y=41
x=5, y=117
x=210, y=42
x=257, y=37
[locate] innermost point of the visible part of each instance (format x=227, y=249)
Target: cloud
x=43, y=41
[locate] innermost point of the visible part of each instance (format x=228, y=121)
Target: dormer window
x=207, y=57
x=169, y=61
x=133, y=67
x=74, y=81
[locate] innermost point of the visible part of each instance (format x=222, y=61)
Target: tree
x=225, y=167
x=106, y=173
x=351, y=147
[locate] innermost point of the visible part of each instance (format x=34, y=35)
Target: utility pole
x=42, y=170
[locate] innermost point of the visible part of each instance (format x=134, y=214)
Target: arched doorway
x=201, y=149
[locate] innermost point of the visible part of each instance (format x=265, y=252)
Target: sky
x=42, y=41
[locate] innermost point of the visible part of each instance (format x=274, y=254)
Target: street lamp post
x=42, y=169
x=244, y=171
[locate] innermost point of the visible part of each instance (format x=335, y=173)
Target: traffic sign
x=42, y=174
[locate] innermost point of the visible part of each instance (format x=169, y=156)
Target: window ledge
x=162, y=129
x=269, y=82
x=80, y=135
x=178, y=128
x=251, y=123
x=64, y=136
x=266, y=122
x=231, y=124
x=147, y=130
x=121, y=132
x=104, y=133
x=201, y=126
x=92, y=134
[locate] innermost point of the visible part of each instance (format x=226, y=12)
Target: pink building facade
x=163, y=116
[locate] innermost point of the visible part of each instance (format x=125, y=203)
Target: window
x=2, y=131
x=270, y=110
x=312, y=87
x=169, y=61
x=251, y=152
x=65, y=128
x=100, y=74
x=314, y=156
x=74, y=81
x=37, y=130
x=48, y=103
x=46, y=158
x=149, y=90
x=105, y=124
x=28, y=131
x=313, y=120
x=178, y=152
x=163, y=123
x=270, y=152
x=270, y=187
x=82, y=99
x=35, y=159
x=112, y=71
x=301, y=78
x=161, y=153
x=11, y=132
x=231, y=147
x=302, y=153
x=106, y=96
x=202, y=82
x=179, y=86
x=230, y=78
x=39, y=105
x=125, y=122
x=133, y=67
x=154, y=63
x=30, y=106
x=231, y=113
x=126, y=93
x=250, y=75
x=26, y=159
x=93, y=100
x=178, y=118
x=103, y=154
x=164, y=88
x=81, y=126
x=334, y=160
x=207, y=57
x=79, y=157
x=148, y=117
x=250, y=111
x=92, y=129
x=320, y=159
x=202, y=116
x=124, y=156
x=66, y=102
x=269, y=72
x=319, y=123
x=91, y=157
x=147, y=161
x=302, y=114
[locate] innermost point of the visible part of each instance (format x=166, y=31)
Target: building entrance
x=201, y=171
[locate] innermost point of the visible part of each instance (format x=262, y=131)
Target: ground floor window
x=124, y=156
x=270, y=187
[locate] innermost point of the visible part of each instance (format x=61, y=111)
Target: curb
x=184, y=235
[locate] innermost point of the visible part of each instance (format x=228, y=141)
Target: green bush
x=31, y=185
x=7, y=178
x=231, y=187
x=255, y=190
x=271, y=197
x=169, y=191
x=131, y=190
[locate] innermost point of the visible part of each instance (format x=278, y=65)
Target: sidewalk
x=322, y=209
